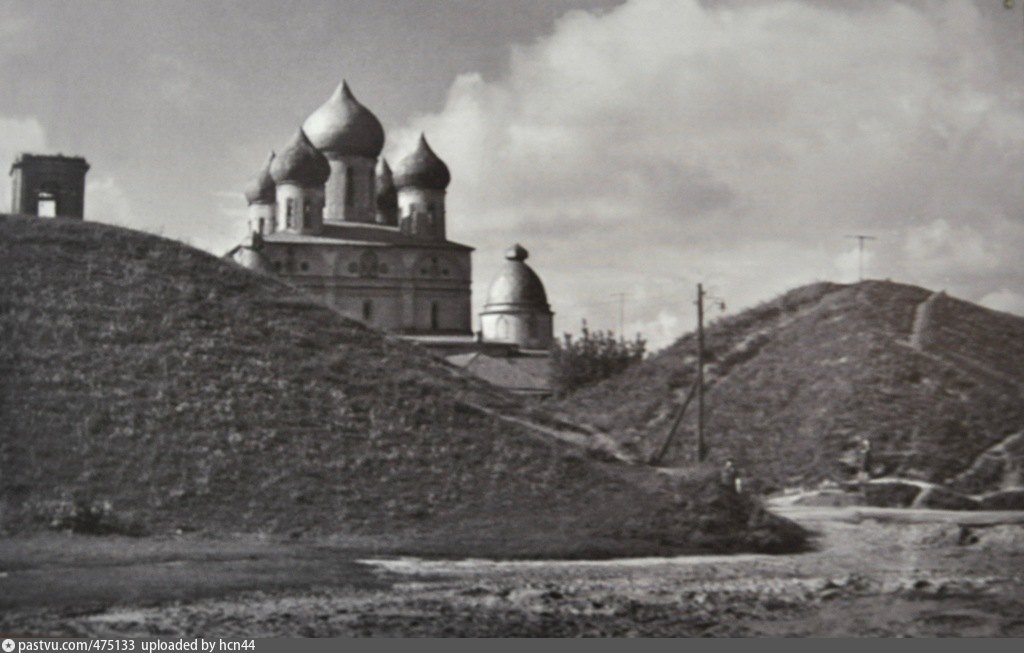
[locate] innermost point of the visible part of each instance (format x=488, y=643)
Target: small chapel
x=328, y=214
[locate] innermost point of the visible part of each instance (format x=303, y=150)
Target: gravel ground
x=874, y=577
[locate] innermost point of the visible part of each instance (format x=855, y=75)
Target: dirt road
x=873, y=573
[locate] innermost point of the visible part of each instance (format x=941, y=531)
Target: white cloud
x=738, y=144
x=664, y=327
x=851, y=264
x=177, y=82
x=1004, y=300
x=106, y=201
x=15, y=30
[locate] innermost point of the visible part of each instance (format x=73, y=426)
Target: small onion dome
x=254, y=260
x=261, y=189
x=422, y=169
x=387, y=198
x=344, y=126
x=517, y=284
x=300, y=163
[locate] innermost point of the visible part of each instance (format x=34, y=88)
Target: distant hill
x=936, y=383
x=183, y=392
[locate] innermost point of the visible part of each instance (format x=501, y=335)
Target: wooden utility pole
x=860, y=253
x=696, y=390
x=700, y=373
x=660, y=454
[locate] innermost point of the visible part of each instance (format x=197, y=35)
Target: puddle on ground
x=410, y=565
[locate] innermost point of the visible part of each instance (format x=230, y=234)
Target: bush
x=89, y=517
x=940, y=498
x=890, y=494
x=593, y=357
x=1012, y=499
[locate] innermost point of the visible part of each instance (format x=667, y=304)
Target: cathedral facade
x=327, y=214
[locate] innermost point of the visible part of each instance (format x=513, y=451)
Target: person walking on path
x=729, y=478
x=866, y=461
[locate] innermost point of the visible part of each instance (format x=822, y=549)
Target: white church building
x=328, y=215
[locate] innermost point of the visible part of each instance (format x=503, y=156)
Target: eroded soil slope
x=171, y=390
x=936, y=384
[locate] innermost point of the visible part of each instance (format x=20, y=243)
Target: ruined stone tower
x=49, y=185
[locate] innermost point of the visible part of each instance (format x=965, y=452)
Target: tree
x=592, y=357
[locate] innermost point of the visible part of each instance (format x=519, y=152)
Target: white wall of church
x=526, y=329
x=429, y=203
x=299, y=210
x=262, y=218
x=409, y=290
x=438, y=310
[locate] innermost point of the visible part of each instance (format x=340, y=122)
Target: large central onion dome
x=345, y=127
x=422, y=169
x=517, y=285
x=300, y=163
x=261, y=190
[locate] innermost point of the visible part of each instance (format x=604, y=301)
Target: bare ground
x=874, y=573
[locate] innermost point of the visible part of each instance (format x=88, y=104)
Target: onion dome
x=261, y=190
x=300, y=163
x=344, y=126
x=422, y=169
x=517, y=285
x=387, y=197
x=254, y=260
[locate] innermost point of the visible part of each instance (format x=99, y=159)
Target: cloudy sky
x=634, y=147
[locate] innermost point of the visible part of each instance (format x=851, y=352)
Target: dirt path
x=589, y=439
x=1000, y=455
x=89, y=573
x=922, y=320
x=918, y=340
x=875, y=572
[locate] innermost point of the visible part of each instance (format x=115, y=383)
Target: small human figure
x=865, y=459
x=729, y=478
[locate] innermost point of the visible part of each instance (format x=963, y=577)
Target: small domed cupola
x=261, y=189
x=517, y=284
x=299, y=171
x=300, y=163
x=344, y=127
x=261, y=195
x=517, y=310
x=422, y=169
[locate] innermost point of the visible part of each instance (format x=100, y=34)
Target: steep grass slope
x=190, y=393
x=933, y=381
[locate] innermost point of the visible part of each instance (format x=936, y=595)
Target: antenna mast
x=860, y=253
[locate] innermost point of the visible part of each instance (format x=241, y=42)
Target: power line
x=701, y=448
x=702, y=296
x=697, y=390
